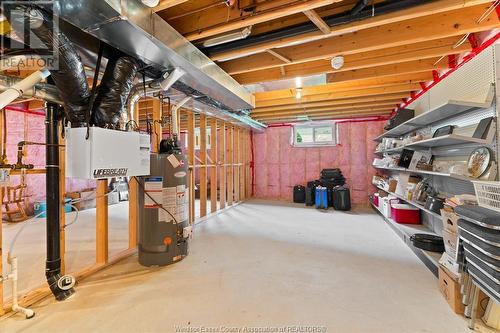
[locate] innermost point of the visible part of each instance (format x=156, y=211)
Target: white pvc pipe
x=17, y=90
x=175, y=119
x=13, y=276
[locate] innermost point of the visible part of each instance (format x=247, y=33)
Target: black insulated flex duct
x=117, y=82
x=53, y=263
x=68, y=74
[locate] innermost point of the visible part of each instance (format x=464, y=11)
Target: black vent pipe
x=359, y=6
x=53, y=263
x=115, y=87
x=386, y=7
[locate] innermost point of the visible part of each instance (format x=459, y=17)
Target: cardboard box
x=393, y=183
x=450, y=289
x=451, y=265
x=450, y=221
x=450, y=243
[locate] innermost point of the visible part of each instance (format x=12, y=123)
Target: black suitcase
x=341, y=198
x=311, y=193
x=299, y=194
x=331, y=173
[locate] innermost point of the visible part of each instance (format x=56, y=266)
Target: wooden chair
x=14, y=203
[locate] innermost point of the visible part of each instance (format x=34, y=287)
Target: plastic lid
x=404, y=206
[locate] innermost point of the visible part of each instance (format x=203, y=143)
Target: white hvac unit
x=106, y=153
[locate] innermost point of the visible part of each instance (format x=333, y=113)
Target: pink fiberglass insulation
x=22, y=126
x=279, y=166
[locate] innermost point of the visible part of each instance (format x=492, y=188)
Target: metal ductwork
x=42, y=91
x=133, y=28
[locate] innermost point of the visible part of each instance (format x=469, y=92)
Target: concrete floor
x=263, y=265
x=80, y=244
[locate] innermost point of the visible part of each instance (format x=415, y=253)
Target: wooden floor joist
x=328, y=96
x=247, y=21
x=423, y=10
x=437, y=26
x=383, y=57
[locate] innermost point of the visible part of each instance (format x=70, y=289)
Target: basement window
x=312, y=135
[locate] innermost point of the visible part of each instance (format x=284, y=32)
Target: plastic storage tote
x=405, y=214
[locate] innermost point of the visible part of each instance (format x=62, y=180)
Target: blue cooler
x=41, y=207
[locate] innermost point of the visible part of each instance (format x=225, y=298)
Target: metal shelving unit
x=423, y=172
x=415, y=204
x=450, y=109
x=405, y=231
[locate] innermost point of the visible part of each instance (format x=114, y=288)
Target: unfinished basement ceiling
x=391, y=49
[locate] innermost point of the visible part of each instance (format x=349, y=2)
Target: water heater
x=164, y=228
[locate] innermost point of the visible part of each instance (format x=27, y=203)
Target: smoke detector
x=151, y=3
x=337, y=62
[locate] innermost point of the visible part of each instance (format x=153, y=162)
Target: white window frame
x=315, y=125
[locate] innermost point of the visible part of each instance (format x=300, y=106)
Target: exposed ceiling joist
x=410, y=67
x=279, y=56
x=323, y=113
x=384, y=105
x=346, y=86
x=247, y=21
x=164, y=4
x=318, y=21
x=394, y=55
x=407, y=87
x=395, y=97
x=334, y=116
x=431, y=27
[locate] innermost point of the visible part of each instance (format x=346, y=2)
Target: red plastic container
x=405, y=214
x=375, y=199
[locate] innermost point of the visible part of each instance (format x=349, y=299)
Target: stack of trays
x=479, y=230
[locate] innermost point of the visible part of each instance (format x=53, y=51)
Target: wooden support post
x=133, y=192
x=222, y=169
x=157, y=130
x=192, y=162
x=230, y=169
x=62, y=213
x=213, y=170
x=203, y=161
x=102, y=222
x=236, y=168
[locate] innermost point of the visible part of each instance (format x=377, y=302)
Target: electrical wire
x=25, y=223
x=154, y=201
x=75, y=218
x=487, y=13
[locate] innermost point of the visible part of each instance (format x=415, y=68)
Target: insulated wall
x=279, y=166
x=22, y=126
